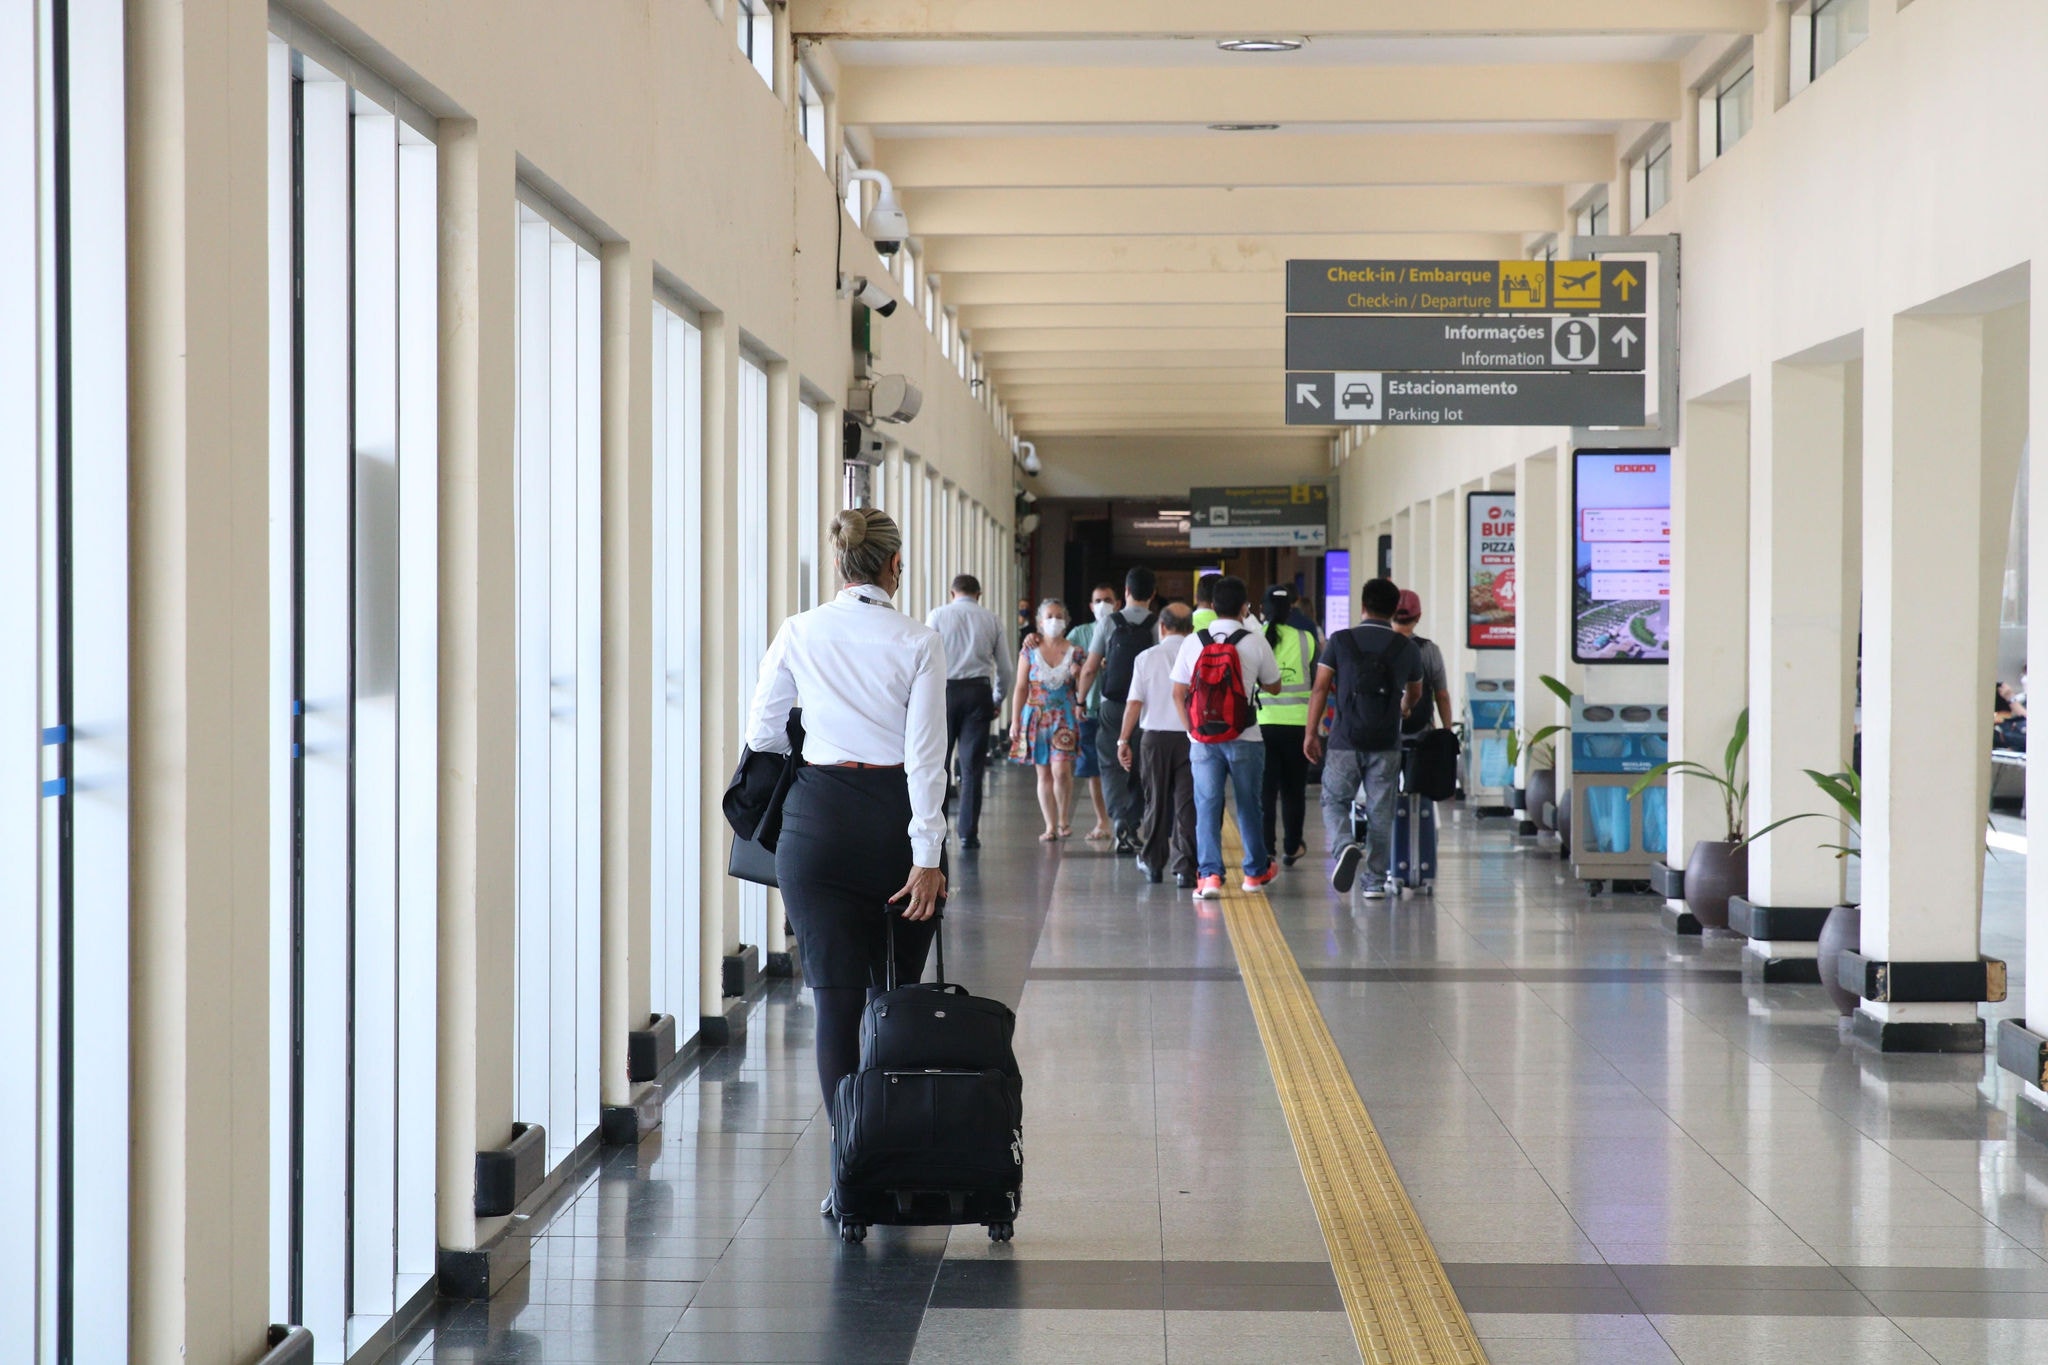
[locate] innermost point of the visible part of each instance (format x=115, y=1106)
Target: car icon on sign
x=1359, y=396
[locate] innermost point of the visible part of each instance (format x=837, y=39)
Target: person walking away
x=864, y=824
x=1088, y=763
x=1376, y=674
x=1218, y=672
x=1434, y=711
x=1167, y=829
x=1205, y=600
x=1113, y=647
x=977, y=680
x=1283, y=721
x=1046, y=725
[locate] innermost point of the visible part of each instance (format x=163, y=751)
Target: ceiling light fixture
x=1242, y=127
x=1262, y=44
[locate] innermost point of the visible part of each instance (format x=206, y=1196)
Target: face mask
x=1103, y=610
x=1052, y=627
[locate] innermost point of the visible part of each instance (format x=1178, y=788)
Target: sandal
x=1048, y=837
x=1066, y=831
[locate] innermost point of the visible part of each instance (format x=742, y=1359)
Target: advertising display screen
x=1490, y=570
x=1336, y=591
x=1621, y=570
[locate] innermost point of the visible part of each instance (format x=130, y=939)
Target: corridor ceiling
x=1118, y=260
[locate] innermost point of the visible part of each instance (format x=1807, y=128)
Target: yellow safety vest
x=1289, y=706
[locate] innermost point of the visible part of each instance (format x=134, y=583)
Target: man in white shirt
x=1238, y=761
x=1168, y=826
x=977, y=677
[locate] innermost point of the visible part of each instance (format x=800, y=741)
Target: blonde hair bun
x=864, y=540
x=850, y=529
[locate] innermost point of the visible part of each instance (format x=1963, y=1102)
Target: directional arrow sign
x=1577, y=399
x=1624, y=340
x=1452, y=343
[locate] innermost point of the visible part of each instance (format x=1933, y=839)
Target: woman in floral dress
x=1046, y=726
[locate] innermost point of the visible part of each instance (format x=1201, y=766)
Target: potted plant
x=1843, y=928
x=1715, y=869
x=1543, y=789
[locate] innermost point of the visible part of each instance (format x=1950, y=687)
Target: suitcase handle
x=889, y=951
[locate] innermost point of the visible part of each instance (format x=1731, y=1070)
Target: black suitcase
x=930, y=1130
x=1415, y=841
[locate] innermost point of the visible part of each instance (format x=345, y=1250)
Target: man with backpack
x=1376, y=674
x=1220, y=670
x=1113, y=648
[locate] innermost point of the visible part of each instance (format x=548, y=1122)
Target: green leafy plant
x=1734, y=790
x=1542, y=753
x=1845, y=789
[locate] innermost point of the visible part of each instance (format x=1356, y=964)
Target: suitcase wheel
x=852, y=1232
x=1001, y=1232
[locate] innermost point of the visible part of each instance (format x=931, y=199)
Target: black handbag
x=753, y=806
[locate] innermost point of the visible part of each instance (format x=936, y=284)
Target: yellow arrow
x=1625, y=281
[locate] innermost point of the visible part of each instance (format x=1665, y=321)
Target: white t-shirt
x=1253, y=653
x=1152, y=686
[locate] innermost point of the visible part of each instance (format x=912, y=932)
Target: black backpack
x=1127, y=640
x=1369, y=708
x=1424, y=714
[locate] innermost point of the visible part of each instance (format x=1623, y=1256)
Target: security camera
x=887, y=227
x=888, y=398
x=867, y=293
x=1028, y=496
x=1027, y=456
x=860, y=445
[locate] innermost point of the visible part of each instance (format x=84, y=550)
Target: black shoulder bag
x=753, y=806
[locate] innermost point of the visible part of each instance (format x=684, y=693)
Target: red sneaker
x=1209, y=889
x=1264, y=879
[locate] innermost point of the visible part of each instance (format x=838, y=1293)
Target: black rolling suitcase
x=1415, y=841
x=930, y=1130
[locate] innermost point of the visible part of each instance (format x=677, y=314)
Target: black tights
x=839, y=1010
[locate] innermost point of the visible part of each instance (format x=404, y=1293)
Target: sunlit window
x=810, y=113
x=1822, y=33
x=1590, y=219
x=1649, y=178
x=1726, y=107
x=757, y=37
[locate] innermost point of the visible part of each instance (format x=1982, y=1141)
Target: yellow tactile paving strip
x=1403, y=1310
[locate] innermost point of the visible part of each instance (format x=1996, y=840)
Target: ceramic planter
x=1542, y=792
x=1841, y=931
x=1716, y=870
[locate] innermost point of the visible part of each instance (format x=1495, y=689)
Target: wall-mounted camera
x=887, y=228
x=867, y=293
x=862, y=444
x=1027, y=457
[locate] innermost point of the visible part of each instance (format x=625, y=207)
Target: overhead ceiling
x=1119, y=265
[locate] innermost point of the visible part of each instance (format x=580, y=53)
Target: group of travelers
x=861, y=713
x=1169, y=712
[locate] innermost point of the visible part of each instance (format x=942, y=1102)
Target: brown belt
x=879, y=767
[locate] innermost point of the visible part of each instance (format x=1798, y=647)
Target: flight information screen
x=1621, y=581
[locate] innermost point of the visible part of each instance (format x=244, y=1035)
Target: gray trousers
x=1122, y=792
x=1372, y=778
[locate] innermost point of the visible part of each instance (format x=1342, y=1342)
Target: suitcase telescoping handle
x=889, y=951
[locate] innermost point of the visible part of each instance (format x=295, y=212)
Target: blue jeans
x=1242, y=764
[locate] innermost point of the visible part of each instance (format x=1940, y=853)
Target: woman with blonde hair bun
x=864, y=825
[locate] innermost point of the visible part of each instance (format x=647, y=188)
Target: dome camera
x=887, y=227
x=1027, y=457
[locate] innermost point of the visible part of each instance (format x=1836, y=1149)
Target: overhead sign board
x=1556, y=341
x=1454, y=398
x=1293, y=516
x=1490, y=570
x=1441, y=287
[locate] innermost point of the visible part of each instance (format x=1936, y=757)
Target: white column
x=718, y=900
x=1798, y=535
x=1709, y=584
x=1940, y=419
x=1404, y=546
x=1542, y=593
x=1443, y=607
x=2037, y=624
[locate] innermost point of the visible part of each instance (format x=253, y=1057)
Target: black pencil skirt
x=844, y=850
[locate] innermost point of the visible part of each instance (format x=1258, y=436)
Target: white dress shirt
x=975, y=648
x=1253, y=653
x=872, y=685
x=1152, y=686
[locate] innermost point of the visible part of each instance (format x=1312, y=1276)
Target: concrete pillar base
x=1918, y=1035
x=1679, y=920
x=722, y=1030
x=624, y=1125
x=1780, y=963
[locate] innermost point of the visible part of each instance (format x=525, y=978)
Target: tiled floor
x=1622, y=1151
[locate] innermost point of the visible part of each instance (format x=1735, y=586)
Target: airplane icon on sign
x=1579, y=281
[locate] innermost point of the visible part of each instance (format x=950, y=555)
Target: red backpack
x=1219, y=708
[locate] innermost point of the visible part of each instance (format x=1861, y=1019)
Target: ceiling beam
x=1059, y=339
x=970, y=291
x=906, y=96
x=1395, y=158
x=1088, y=424
x=987, y=319
x=1024, y=366
x=1203, y=254
x=1204, y=212
x=1028, y=383
x=905, y=19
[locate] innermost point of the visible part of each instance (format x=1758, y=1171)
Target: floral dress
x=1052, y=713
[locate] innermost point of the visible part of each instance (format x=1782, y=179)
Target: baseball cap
x=1410, y=608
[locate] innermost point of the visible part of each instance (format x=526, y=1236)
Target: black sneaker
x=971, y=841
x=1152, y=876
x=1346, y=870
x=1289, y=859
x=1126, y=842
x=1184, y=880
